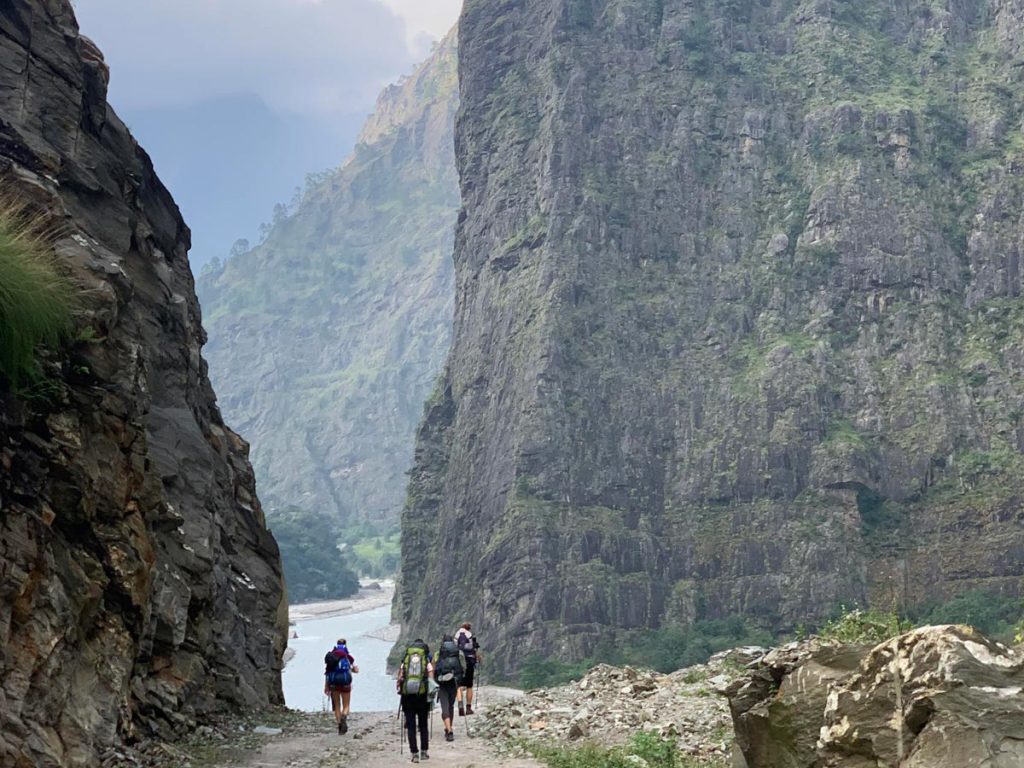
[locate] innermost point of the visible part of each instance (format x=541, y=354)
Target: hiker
x=470, y=648
x=339, y=665
x=448, y=675
x=413, y=684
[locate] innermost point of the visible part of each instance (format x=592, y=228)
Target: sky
x=237, y=100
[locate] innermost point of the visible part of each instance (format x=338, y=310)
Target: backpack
x=339, y=670
x=414, y=679
x=449, y=666
x=468, y=646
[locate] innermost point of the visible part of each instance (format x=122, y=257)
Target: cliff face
x=326, y=338
x=738, y=321
x=140, y=587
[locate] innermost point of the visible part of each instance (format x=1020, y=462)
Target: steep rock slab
x=738, y=319
x=140, y=587
x=326, y=338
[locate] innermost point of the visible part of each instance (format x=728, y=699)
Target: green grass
x=35, y=298
x=654, y=751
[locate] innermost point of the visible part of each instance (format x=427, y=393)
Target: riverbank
x=372, y=594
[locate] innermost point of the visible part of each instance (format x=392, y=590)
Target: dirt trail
x=311, y=741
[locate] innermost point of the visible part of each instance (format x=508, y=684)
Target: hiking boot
x=469, y=709
x=343, y=725
x=449, y=736
x=340, y=727
x=462, y=711
x=424, y=756
x=416, y=758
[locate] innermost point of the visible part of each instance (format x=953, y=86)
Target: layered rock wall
x=139, y=586
x=738, y=320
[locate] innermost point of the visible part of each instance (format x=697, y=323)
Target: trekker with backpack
x=339, y=665
x=448, y=674
x=470, y=648
x=413, y=684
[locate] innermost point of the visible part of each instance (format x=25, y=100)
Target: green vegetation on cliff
x=35, y=297
x=739, y=320
x=326, y=337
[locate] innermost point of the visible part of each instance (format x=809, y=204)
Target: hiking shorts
x=467, y=678
x=341, y=688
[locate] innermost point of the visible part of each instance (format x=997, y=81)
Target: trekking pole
x=401, y=736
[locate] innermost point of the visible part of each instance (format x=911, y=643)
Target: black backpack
x=449, y=665
x=468, y=646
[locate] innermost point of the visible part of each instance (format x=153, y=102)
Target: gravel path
x=311, y=741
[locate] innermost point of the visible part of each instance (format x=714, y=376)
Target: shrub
x=989, y=613
x=864, y=627
x=35, y=298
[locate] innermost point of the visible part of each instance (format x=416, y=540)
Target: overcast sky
x=237, y=100
x=300, y=56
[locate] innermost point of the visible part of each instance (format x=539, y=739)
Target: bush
x=864, y=627
x=665, y=650
x=989, y=613
x=539, y=672
x=35, y=298
x=672, y=648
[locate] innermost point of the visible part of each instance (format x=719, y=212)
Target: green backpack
x=414, y=681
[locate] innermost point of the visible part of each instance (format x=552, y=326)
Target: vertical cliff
x=326, y=338
x=738, y=324
x=139, y=586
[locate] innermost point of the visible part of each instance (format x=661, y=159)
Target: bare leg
x=469, y=697
x=346, y=698
x=336, y=705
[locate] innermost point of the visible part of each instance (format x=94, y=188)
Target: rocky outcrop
x=941, y=697
x=140, y=588
x=738, y=320
x=326, y=338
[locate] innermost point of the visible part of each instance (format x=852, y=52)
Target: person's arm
x=352, y=661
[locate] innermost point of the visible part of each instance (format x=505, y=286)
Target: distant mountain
x=325, y=339
x=230, y=160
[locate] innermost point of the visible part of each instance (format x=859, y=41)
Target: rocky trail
x=287, y=738
x=373, y=741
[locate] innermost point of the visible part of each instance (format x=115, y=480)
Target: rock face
x=738, y=320
x=326, y=338
x=140, y=587
x=941, y=697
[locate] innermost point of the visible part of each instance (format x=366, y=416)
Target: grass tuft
x=36, y=299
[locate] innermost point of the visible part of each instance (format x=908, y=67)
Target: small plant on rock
x=35, y=298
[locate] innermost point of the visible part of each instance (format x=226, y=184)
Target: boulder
x=936, y=697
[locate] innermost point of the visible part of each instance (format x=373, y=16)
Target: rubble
x=610, y=704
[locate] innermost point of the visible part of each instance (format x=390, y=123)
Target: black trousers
x=415, y=708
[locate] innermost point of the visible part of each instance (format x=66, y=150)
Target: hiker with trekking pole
x=414, y=687
x=470, y=649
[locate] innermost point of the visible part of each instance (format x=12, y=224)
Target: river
x=373, y=689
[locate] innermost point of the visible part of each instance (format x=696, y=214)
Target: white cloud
x=303, y=56
x=426, y=19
